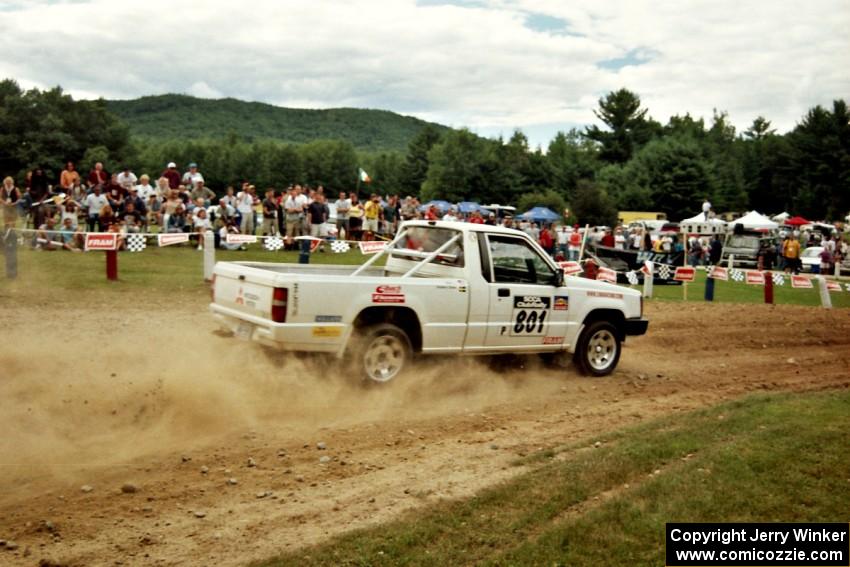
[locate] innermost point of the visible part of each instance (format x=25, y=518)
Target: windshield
x=812, y=252
x=743, y=242
x=421, y=241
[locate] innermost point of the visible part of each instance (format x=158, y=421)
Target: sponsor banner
x=372, y=247
x=607, y=275
x=719, y=273
x=561, y=303
x=754, y=277
x=685, y=274
x=173, y=238
x=101, y=241
x=833, y=286
x=570, y=268
x=241, y=238
x=553, y=340
x=801, y=282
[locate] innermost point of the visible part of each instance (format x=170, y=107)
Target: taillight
x=279, y=305
x=212, y=288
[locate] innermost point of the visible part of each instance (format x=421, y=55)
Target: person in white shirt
x=191, y=177
x=619, y=239
x=201, y=224
x=706, y=208
x=343, y=205
x=245, y=201
x=294, y=207
x=126, y=179
x=94, y=202
x=451, y=215
x=145, y=189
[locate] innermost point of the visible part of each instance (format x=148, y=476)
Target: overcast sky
x=537, y=65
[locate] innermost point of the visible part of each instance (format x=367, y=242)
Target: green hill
x=186, y=117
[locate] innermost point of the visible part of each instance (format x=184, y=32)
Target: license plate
x=245, y=331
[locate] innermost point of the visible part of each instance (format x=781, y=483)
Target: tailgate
x=244, y=290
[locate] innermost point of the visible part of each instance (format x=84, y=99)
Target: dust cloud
x=98, y=389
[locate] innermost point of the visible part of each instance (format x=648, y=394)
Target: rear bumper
x=303, y=337
x=636, y=326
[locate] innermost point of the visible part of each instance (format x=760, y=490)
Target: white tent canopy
x=700, y=218
x=755, y=221
x=781, y=217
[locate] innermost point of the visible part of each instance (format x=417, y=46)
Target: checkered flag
x=737, y=275
x=778, y=279
x=664, y=271
x=273, y=243
x=340, y=246
x=136, y=242
x=632, y=278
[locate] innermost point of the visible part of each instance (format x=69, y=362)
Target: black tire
x=598, y=349
x=381, y=353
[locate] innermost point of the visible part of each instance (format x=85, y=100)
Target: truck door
x=527, y=311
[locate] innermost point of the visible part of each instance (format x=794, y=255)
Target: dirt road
x=217, y=445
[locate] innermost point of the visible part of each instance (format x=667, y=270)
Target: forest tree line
x=632, y=163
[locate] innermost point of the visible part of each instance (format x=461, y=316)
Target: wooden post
x=583, y=240
x=11, y=251
x=112, y=265
x=209, y=255
x=709, y=288
x=825, y=300
x=768, y=287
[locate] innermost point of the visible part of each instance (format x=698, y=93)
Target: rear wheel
x=598, y=349
x=382, y=352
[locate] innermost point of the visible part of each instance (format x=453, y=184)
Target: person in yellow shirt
x=372, y=214
x=69, y=177
x=791, y=252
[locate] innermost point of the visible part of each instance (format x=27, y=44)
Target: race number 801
x=530, y=315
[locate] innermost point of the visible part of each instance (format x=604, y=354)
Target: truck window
x=515, y=261
x=421, y=241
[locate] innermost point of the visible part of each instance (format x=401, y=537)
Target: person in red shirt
x=431, y=213
x=608, y=239
x=476, y=218
x=172, y=175
x=546, y=240
x=98, y=175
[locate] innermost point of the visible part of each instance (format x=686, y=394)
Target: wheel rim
x=384, y=358
x=601, y=350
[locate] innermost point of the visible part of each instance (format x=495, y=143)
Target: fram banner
x=240, y=238
x=685, y=274
x=833, y=286
x=801, y=282
x=101, y=241
x=372, y=247
x=719, y=273
x=607, y=275
x=755, y=277
x=173, y=238
x=570, y=268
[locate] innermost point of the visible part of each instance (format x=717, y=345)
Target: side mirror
x=559, y=278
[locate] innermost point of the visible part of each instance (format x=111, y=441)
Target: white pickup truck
x=446, y=288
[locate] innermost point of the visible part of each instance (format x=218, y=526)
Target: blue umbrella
x=540, y=214
x=441, y=205
x=467, y=207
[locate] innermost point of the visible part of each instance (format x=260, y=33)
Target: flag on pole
x=364, y=177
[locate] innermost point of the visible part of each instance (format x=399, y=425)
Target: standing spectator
x=94, y=202
x=791, y=253
x=371, y=215
x=38, y=193
x=607, y=239
x=432, y=213
x=391, y=215
x=476, y=218
x=229, y=200
x=491, y=219
x=716, y=250
x=575, y=243
x=706, y=208
x=408, y=209
x=564, y=240
x=191, y=177
x=294, y=207
x=270, y=211
x=694, y=252
x=317, y=214
x=451, y=215
x=126, y=179
x=172, y=175
x=69, y=177
x=355, y=218
x=619, y=239
x=245, y=201
x=547, y=242
x=343, y=205
x=9, y=198
x=826, y=260
x=98, y=175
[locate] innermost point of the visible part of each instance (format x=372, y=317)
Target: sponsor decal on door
x=530, y=315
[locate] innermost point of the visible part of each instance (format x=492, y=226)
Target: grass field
x=778, y=458
x=180, y=268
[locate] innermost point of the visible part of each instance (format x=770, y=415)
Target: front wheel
x=382, y=352
x=598, y=349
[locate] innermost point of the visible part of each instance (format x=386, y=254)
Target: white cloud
x=480, y=66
